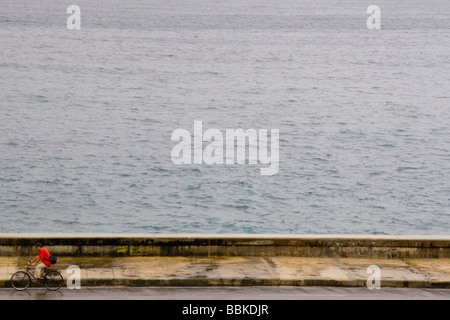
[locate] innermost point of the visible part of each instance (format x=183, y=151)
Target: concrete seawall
x=229, y=245
x=236, y=259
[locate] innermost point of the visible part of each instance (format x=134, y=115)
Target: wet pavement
x=245, y=271
x=226, y=293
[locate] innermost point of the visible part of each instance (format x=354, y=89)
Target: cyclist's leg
x=38, y=270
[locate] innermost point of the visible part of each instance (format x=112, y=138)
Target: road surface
x=226, y=293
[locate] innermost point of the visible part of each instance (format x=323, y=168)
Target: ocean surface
x=86, y=116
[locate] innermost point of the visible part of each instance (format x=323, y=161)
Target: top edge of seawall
x=217, y=236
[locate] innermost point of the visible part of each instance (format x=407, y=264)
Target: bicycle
x=21, y=280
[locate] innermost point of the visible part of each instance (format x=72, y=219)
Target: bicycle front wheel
x=20, y=280
x=53, y=280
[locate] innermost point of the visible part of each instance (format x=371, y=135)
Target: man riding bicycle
x=43, y=256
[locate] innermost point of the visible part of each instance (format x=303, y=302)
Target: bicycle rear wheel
x=53, y=280
x=20, y=280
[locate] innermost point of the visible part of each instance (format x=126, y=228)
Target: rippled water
x=86, y=116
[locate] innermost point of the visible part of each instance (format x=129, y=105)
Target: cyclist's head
x=38, y=245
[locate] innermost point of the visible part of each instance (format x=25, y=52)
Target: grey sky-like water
x=86, y=116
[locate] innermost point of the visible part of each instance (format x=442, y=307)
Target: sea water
x=86, y=116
